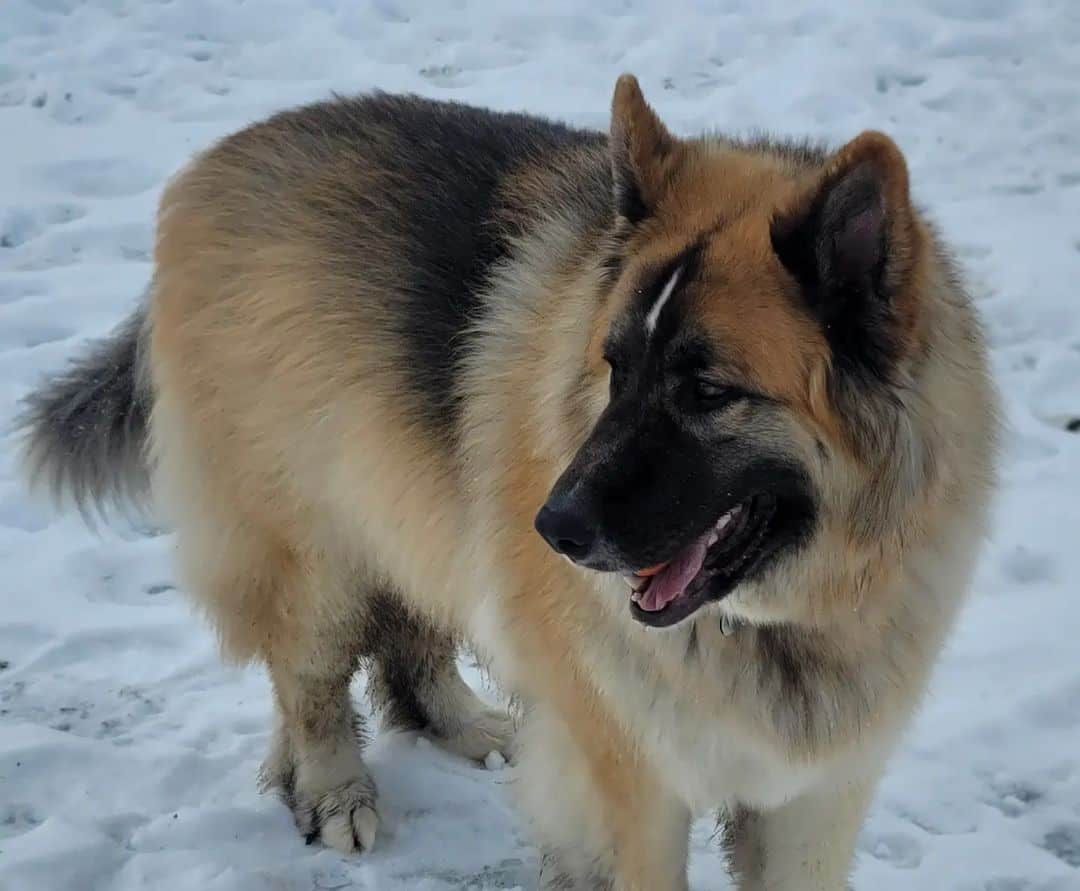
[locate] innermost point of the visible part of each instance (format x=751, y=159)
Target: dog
x=692, y=438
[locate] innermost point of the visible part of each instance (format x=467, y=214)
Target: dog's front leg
x=805, y=845
x=600, y=814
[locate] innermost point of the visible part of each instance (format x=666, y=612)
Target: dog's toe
x=345, y=819
x=488, y=730
x=351, y=830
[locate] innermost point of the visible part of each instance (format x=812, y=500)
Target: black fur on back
x=442, y=204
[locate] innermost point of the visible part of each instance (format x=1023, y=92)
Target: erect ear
x=642, y=151
x=852, y=241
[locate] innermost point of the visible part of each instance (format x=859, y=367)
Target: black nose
x=567, y=527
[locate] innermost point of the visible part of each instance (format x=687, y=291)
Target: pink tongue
x=669, y=583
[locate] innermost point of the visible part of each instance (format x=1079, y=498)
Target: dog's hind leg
x=413, y=681
x=276, y=594
x=315, y=760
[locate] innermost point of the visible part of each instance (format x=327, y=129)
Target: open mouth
x=708, y=568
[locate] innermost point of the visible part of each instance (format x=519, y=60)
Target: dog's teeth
x=722, y=524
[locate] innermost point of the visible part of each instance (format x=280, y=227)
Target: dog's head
x=762, y=301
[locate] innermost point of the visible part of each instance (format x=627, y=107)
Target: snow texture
x=128, y=752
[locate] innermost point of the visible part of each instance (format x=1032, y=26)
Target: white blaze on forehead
x=654, y=314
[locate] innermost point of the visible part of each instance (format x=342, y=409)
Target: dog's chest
x=691, y=726
x=712, y=760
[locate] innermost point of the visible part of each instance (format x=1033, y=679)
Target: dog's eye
x=710, y=395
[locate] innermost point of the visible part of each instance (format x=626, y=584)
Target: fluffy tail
x=85, y=430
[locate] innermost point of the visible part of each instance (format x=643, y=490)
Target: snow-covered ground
x=128, y=753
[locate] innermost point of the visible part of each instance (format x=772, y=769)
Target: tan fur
x=298, y=486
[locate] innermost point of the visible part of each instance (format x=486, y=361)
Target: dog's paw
x=482, y=732
x=333, y=799
x=344, y=818
x=552, y=877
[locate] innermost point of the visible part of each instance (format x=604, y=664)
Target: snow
x=128, y=752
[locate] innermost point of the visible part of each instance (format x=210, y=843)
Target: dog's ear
x=642, y=152
x=851, y=239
